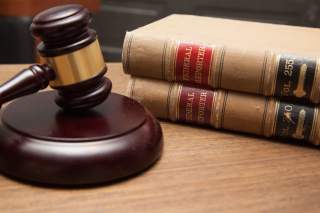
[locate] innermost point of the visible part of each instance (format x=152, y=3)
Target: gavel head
x=72, y=50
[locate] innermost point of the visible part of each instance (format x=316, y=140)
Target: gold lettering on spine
x=189, y=106
x=299, y=91
x=199, y=64
x=202, y=106
x=287, y=119
x=186, y=64
x=288, y=70
x=288, y=114
x=300, y=126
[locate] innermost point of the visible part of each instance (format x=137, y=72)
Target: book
x=242, y=112
x=258, y=58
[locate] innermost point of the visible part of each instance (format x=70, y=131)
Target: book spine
x=228, y=110
x=254, y=71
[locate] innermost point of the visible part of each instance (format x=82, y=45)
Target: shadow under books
x=287, y=141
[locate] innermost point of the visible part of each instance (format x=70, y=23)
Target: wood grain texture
x=201, y=170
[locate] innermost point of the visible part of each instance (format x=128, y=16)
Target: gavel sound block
x=80, y=133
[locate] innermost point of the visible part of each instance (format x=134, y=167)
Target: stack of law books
x=243, y=76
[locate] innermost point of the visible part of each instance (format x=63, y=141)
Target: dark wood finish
x=94, y=139
x=44, y=144
x=64, y=29
x=84, y=95
x=28, y=81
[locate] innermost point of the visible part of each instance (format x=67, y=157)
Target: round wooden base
x=41, y=143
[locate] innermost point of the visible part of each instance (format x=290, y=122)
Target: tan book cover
x=229, y=110
x=259, y=58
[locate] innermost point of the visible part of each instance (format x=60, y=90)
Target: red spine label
x=195, y=105
x=193, y=63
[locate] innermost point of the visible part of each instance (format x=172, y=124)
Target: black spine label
x=294, y=121
x=295, y=76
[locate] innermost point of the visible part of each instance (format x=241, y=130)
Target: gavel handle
x=28, y=81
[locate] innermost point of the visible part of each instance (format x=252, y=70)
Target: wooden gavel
x=44, y=144
x=74, y=64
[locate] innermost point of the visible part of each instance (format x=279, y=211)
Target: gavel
x=74, y=63
x=42, y=143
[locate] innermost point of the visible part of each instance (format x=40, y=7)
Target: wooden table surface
x=201, y=170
